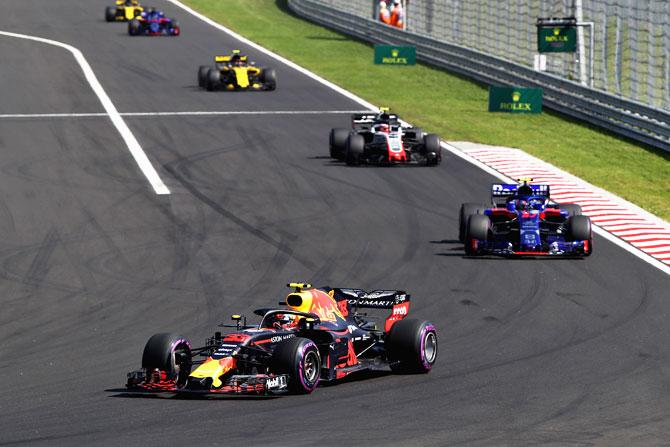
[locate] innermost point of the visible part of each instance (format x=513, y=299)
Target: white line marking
x=446, y=146
x=186, y=113
x=133, y=145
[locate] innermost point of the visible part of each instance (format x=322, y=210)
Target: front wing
x=557, y=248
x=258, y=385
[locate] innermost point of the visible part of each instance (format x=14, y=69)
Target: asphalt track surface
x=92, y=263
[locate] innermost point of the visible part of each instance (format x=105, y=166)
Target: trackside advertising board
x=395, y=55
x=515, y=99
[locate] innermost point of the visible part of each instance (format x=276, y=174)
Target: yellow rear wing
x=227, y=58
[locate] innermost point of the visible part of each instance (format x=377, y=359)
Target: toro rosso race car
x=235, y=72
x=153, y=23
x=123, y=11
x=381, y=139
x=318, y=335
x=524, y=221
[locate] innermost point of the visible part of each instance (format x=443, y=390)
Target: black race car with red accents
x=382, y=139
x=318, y=334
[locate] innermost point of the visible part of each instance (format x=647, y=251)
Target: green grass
x=451, y=106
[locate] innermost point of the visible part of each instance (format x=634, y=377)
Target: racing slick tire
x=202, y=76
x=572, y=208
x=299, y=358
x=355, y=147
x=477, y=230
x=213, y=79
x=411, y=346
x=269, y=78
x=174, y=29
x=418, y=133
x=431, y=149
x=170, y=353
x=466, y=210
x=134, y=27
x=338, y=142
x=579, y=229
x=110, y=13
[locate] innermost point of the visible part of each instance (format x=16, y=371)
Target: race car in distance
x=318, y=335
x=524, y=221
x=381, y=139
x=123, y=11
x=235, y=72
x=153, y=23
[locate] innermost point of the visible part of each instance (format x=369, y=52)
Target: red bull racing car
x=381, y=139
x=317, y=335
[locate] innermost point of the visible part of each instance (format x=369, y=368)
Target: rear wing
x=353, y=299
x=221, y=59
x=500, y=192
x=366, y=120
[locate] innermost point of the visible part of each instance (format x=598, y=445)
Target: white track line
x=133, y=145
x=446, y=146
x=186, y=113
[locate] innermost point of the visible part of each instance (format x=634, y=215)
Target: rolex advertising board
x=515, y=99
x=556, y=35
x=395, y=55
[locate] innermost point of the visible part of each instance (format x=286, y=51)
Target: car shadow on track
x=124, y=393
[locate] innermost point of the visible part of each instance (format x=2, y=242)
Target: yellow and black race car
x=124, y=11
x=235, y=72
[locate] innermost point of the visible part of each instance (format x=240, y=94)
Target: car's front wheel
x=110, y=13
x=170, y=353
x=134, y=27
x=213, y=79
x=300, y=359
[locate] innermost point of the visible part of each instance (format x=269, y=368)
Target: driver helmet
x=283, y=321
x=383, y=128
x=525, y=190
x=382, y=4
x=236, y=60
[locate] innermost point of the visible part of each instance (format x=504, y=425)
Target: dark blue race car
x=522, y=220
x=153, y=23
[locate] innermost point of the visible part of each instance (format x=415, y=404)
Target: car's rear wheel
x=170, y=353
x=477, y=232
x=202, y=76
x=572, y=208
x=134, y=27
x=411, y=346
x=269, y=78
x=355, y=147
x=213, y=79
x=110, y=13
x=300, y=359
x=466, y=210
x=338, y=142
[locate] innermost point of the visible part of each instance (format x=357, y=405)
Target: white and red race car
x=382, y=139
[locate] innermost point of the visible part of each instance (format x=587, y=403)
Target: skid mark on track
x=246, y=226
x=39, y=268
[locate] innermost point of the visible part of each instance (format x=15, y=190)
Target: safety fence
x=501, y=62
